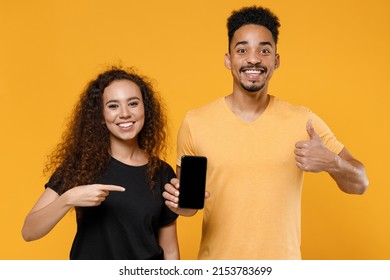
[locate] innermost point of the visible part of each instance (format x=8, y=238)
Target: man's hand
x=313, y=155
x=171, y=195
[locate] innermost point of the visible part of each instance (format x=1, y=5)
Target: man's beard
x=253, y=87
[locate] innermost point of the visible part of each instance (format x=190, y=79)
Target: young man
x=258, y=148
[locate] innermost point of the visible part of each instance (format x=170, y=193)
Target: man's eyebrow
x=241, y=43
x=265, y=43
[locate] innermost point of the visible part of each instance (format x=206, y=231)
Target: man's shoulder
x=284, y=106
x=207, y=109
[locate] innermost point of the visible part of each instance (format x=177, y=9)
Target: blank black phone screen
x=193, y=171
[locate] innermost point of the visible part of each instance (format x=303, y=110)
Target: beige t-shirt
x=254, y=208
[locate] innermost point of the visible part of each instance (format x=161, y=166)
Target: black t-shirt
x=126, y=224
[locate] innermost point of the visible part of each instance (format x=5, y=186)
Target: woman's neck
x=128, y=153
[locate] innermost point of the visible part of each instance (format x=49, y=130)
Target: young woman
x=108, y=168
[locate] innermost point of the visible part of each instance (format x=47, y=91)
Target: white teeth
x=251, y=71
x=124, y=125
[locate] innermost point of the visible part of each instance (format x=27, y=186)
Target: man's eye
x=265, y=51
x=241, y=51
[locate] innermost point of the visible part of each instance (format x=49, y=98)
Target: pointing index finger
x=113, y=188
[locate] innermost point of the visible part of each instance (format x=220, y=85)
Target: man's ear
x=277, y=61
x=227, y=61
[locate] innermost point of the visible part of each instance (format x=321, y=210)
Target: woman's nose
x=125, y=113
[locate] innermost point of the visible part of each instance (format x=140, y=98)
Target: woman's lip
x=126, y=124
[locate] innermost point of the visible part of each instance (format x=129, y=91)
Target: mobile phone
x=193, y=171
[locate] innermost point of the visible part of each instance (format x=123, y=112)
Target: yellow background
x=334, y=59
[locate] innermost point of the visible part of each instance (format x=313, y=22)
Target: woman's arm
x=168, y=241
x=51, y=208
x=46, y=213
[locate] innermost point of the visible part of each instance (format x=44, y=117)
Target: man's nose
x=253, y=58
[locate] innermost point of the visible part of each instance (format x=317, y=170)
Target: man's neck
x=248, y=107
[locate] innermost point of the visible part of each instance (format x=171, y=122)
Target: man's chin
x=253, y=87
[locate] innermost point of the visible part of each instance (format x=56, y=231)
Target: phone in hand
x=193, y=171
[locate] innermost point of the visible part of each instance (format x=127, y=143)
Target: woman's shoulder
x=165, y=166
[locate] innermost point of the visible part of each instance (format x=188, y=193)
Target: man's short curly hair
x=253, y=15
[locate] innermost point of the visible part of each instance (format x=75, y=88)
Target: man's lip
x=260, y=69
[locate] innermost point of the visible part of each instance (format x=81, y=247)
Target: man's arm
x=314, y=156
x=349, y=173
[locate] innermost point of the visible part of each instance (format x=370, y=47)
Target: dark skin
x=252, y=60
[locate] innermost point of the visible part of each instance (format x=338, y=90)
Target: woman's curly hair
x=83, y=154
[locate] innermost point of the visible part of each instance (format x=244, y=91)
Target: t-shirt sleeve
x=53, y=183
x=185, y=145
x=167, y=216
x=326, y=134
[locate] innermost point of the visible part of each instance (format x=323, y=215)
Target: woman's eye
x=133, y=104
x=112, y=106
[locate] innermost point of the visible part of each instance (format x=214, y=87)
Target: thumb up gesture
x=313, y=155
